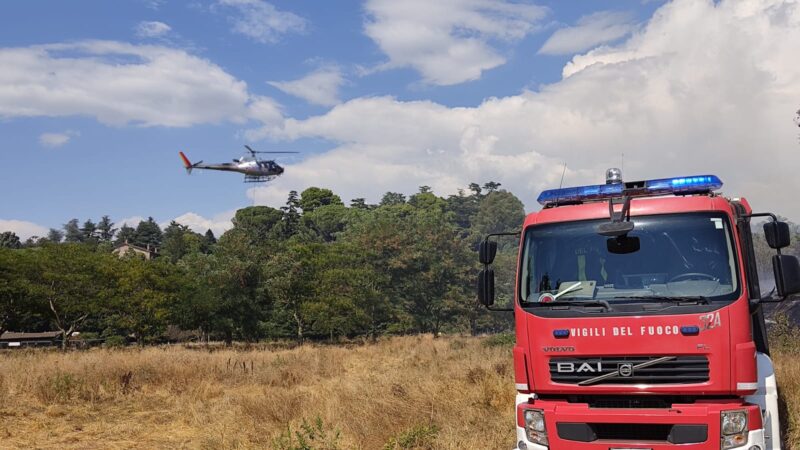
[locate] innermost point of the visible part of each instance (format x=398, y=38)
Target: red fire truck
x=639, y=321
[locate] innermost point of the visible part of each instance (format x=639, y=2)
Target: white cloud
x=703, y=87
x=590, y=31
x=23, y=229
x=153, y=4
x=132, y=221
x=54, y=140
x=119, y=84
x=152, y=29
x=262, y=22
x=199, y=224
x=320, y=87
x=448, y=41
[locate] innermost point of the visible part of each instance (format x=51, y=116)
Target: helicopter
x=255, y=170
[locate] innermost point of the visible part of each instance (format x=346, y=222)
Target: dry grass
x=402, y=393
x=787, y=370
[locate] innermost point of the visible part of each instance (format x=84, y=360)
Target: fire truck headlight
x=734, y=429
x=534, y=426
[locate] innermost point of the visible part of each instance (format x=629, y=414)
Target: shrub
x=116, y=341
x=310, y=436
x=500, y=340
x=420, y=437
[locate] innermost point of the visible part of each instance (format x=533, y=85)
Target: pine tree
x=89, y=231
x=9, y=239
x=72, y=232
x=105, y=229
x=55, y=235
x=291, y=214
x=173, y=244
x=148, y=233
x=393, y=198
x=125, y=234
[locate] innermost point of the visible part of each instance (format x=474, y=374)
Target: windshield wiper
x=567, y=304
x=696, y=299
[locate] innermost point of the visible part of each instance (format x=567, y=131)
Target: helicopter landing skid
x=258, y=179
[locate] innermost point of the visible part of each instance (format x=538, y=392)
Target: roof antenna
x=561, y=183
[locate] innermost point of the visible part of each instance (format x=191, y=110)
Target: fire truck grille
x=629, y=370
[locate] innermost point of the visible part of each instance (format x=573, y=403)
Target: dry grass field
x=401, y=393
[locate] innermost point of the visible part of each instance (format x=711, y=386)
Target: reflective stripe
x=746, y=386
x=522, y=386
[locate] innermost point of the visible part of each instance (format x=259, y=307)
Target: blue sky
x=97, y=97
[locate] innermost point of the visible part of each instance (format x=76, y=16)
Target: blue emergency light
x=647, y=188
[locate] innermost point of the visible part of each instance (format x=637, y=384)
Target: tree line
x=312, y=269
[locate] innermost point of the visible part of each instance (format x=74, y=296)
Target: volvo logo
x=625, y=368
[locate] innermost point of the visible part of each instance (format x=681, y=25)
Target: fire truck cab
x=638, y=319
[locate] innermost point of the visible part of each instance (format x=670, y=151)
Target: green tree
x=126, y=234
x=347, y=300
x=425, y=199
x=72, y=280
x=105, y=229
x=13, y=289
x=476, y=189
x=314, y=197
x=9, y=239
x=361, y=203
x=142, y=297
x=175, y=243
x=199, y=301
x=464, y=208
x=393, y=198
x=327, y=221
x=236, y=277
x=209, y=240
x=421, y=258
x=55, y=235
x=498, y=212
x=89, y=231
x=289, y=278
x=491, y=186
x=148, y=233
x=290, y=223
x=72, y=232
x=257, y=222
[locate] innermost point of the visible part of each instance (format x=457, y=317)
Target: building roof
x=15, y=336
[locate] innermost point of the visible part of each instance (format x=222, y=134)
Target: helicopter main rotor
x=253, y=152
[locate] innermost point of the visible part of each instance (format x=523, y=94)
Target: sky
x=98, y=97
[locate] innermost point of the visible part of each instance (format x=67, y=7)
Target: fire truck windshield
x=687, y=255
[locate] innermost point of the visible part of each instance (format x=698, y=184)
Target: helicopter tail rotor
x=187, y=164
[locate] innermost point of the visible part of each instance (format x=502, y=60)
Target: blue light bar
x=648, y=188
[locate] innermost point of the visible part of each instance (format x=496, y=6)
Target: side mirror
x=487, y=251
x=486, y=287
x=787, y=274
x=777, y=234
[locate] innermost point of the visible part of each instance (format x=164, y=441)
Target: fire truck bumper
x=576, y=426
